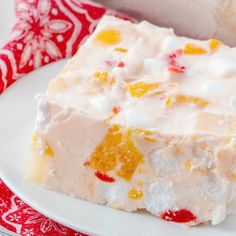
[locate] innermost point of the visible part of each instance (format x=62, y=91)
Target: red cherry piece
x=179, y=216
x=173, y=63
x=104, y=177
x=121, y=64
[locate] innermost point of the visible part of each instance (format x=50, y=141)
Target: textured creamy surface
x=208, y=76
x=141, y=118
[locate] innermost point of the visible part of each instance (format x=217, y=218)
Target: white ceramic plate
x=17, y=111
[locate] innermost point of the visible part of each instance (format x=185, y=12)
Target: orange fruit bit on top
x=117, y=147
x=144, y=131
x=146, y=134
x=123, y=50
x=214, y=44
x=116, y=110
x=176, y=69
x=135, y=194
x=181, y=99
x=139, y=89
x=103, y=78
x=193, y=49
x=108, y=37
x=152, y=140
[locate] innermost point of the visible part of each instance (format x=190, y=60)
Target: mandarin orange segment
x=117, y=147
x=47, y=149
x=116, y=110
x=130, y=157
x=139, y=89
x=152, y=140
x=214, y=44
x=135, y=194
x=144, y=131
x=188, y=164
x=181, y=99
x=104, y=158
x=123, y=50
x=168, y=101
x=148, y=135
x=34, y=138
x=103, y=78
x=193, y=49
x=233, y=177
x=108, y=37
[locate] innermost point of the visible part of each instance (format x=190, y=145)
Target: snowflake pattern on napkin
x=45, y=31
x=18, y=217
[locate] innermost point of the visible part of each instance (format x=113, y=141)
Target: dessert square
x=140, y=118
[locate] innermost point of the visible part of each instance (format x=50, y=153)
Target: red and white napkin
x=18, y=217
x=45, y=31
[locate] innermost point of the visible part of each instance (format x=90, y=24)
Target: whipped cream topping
x=144, y=53
x=42, y=117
